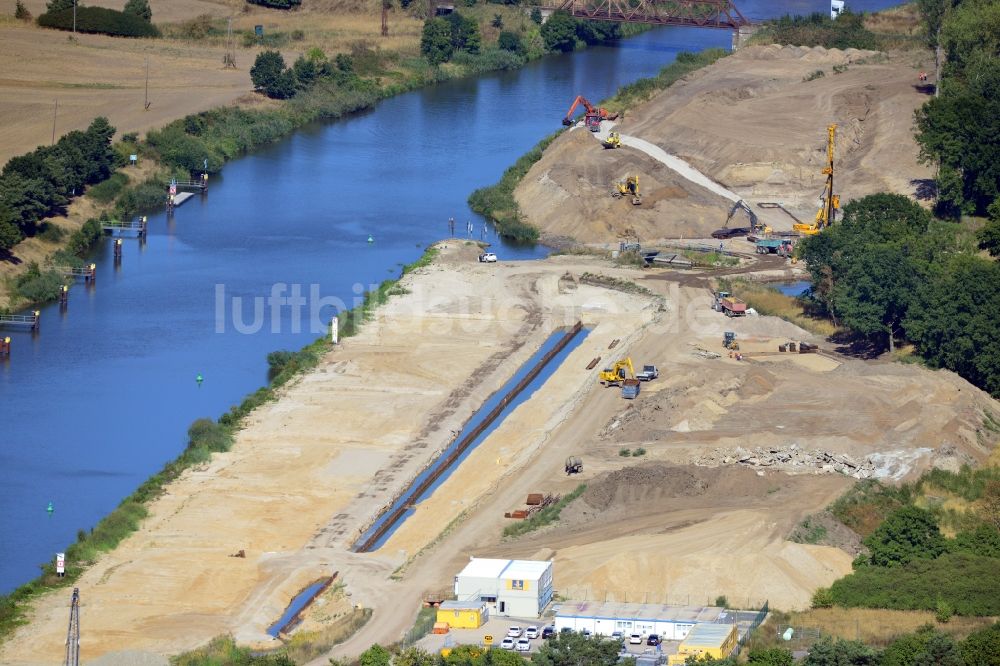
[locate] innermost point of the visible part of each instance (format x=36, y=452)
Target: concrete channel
x=473, y=433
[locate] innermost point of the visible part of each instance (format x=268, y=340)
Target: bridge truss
x=695, y=13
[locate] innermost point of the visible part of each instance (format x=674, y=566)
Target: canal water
x=101, y=398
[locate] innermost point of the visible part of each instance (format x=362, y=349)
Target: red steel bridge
x=695, y=13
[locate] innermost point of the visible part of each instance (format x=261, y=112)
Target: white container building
x=670, y=623
x=513, y=588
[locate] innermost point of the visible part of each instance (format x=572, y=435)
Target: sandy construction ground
x=752, y=123
x=312, y=469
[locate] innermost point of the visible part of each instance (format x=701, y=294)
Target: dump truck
x=574, y=465
x=729, y=305
x=779, y=246
x=630, y=388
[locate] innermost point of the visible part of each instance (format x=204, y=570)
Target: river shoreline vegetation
x=205, y=437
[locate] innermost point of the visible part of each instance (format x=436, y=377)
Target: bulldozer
x=829, y=202
x=616, y=374
x=628, y=188
x=593, y=116
x=613, y=141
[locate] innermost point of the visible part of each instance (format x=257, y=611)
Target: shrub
x=510, y=41
x=639, y=452
x=815, y=74
x=21, y=12
x=36, y=286
x=139, y=8
x=107, y=191
x=624, y=453
x=99, y=20
x=271, y=77
x=943, y=612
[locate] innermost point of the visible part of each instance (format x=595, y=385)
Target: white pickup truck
x=648, y=372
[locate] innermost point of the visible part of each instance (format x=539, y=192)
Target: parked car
x=514, y=632
x=548, y=632
x=635, y=639
x=586, y=633
x=617, y=635
x=524, y=645
x=565, y=630
x=487, y=258
x=507, y=644
x=531, y=632
x=653, y=639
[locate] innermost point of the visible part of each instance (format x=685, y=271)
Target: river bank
x=454, y=318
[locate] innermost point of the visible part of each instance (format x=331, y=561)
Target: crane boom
x=73, y=633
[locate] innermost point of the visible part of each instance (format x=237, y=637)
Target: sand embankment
x=753, y=122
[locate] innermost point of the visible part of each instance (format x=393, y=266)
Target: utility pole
x=74, y=17
x=54, y=114
x=385, y=18
x=145, y=106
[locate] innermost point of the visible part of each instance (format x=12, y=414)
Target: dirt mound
x=654, y=482
x=755, y=122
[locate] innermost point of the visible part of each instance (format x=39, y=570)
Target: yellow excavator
x=827, y=212
x=614, y=140
x=615, y=375
x=628, y=188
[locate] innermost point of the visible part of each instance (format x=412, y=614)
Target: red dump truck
x=729, y=305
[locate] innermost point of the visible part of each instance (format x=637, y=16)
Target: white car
x=487, y=258
x=635, y=639
x=514, y=632
x=507, y=644
x=524, y=645
x=531, y=632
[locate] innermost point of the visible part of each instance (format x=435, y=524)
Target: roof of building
x=526, y=569
x=648, y=612
x=454, y=604
x=708, y=635
x=480, y=567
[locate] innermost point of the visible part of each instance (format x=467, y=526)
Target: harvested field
x=749, y=122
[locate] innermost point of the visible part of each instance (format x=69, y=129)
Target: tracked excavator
x=593, y=116
x=628, y=188
x=615, y=375
x=827, y=212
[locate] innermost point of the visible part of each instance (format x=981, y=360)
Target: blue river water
x=101, y=398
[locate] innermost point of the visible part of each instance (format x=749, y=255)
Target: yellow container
x=461, y=615
x=713, y=640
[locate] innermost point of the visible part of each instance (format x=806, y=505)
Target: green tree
x=559, y=32
x=305, y=71
x=904, y=650
x=10, y=234
x=435, y=42
x=770, y=657
x=982, y=647
x=989, y=235
x=536, y=15
x=376, y=655
x=270, y=76
x=510, y=41
x=58, y=5
x=497, y=21
x=572, y=649
x=829, y=652
x=413, y=656
x=906, y=534
x=139, y=8
x=940, y=650
x=464, y=33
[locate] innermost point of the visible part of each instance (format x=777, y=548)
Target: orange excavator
x=593, y=117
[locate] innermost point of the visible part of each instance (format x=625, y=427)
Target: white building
x=514, y=588
x=671, y=623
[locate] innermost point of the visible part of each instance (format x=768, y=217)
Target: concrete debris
x=793, y=458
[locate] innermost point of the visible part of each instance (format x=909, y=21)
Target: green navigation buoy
x=199, y=379
x=50, y=508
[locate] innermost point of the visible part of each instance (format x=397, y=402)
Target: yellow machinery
x=629, y=187
x=613, y=141
x=615, y=375
x=827, y=212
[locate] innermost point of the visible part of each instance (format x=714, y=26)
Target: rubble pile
x=792, y=458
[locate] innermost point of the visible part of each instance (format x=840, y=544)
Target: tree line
x=41, y=183
x=133, y=21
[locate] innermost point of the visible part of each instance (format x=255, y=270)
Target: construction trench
x=386, y=522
